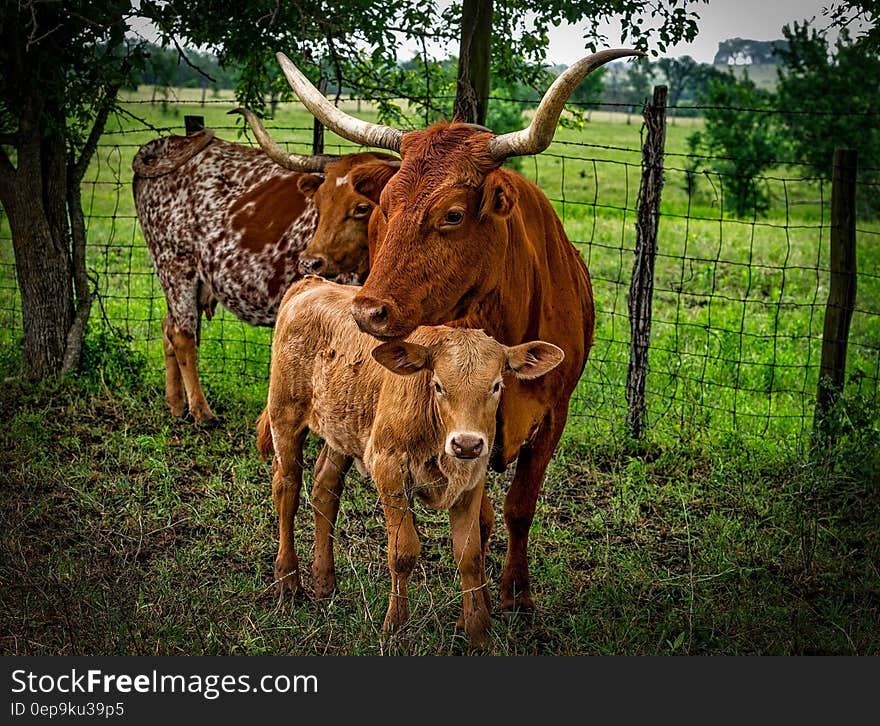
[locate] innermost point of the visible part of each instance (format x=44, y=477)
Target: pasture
x=727, y=531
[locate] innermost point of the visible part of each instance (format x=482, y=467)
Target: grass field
x=725, y=532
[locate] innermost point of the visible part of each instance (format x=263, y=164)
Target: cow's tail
x=264, y=436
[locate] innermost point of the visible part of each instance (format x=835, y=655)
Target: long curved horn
x=538, y=135
x=348, y=127
x=272, y=149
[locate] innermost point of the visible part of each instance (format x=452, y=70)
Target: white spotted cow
x=226, y=223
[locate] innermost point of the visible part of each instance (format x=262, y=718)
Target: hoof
x=519, y=604
x=323, y=587
x=477, y=628
x=178, y=411
x=209, y=422
x=287, y=583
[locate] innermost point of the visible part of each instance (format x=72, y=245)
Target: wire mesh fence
x=738, y=303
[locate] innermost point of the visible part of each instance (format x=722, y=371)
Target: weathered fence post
x=641, y=288
x=193, y=124
x=842, y=289
x=317, y=126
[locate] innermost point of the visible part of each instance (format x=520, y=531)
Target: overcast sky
x=719, y=20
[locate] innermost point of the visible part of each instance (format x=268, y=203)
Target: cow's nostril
x=311, y=265
x=370, y=315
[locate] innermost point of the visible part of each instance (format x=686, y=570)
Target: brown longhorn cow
x=459, y=240
x=227, y=223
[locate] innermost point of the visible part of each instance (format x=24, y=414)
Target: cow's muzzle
x=379, y=319
x=315, y=265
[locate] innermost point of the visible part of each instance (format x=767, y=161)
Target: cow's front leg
x=466, y=522
x=330, y=471
x=519, y=511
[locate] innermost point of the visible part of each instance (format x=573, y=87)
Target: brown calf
x=226, y=223
x=417, y=415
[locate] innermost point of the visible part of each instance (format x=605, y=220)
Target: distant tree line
x=825, y=97
x=166, y=68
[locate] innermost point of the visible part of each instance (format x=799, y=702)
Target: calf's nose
x=467, y=446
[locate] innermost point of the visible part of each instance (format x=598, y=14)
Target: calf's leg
x=287, y=472
x=329, y=479
x=487, y=523
x=403, y=541
x=466, y=520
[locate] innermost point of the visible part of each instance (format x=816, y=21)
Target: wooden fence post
x=641, y=289
x=842, y=289
x=193, y=124
x=317, y=126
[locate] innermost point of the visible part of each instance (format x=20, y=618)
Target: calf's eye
x=438, y=389
x=361, y=210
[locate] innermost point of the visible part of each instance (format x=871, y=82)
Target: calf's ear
x=308, y=184
x=533, y=360
x=370, y=179
x=402, y=358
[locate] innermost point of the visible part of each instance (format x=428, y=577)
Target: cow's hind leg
x=175, y=396
x=519, y=511
x=287, y=469
x=329, y=479
x=466, y=523
x=185, y=350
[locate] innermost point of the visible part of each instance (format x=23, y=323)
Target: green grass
x=123, y=531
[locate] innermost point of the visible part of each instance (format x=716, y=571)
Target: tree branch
x=182, y=55
x=107, y=104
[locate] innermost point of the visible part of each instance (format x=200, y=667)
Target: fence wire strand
x=738, y=303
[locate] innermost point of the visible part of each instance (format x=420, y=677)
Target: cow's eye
x=496, y=388
x=362, y=210
x=453, y=217
x=438, y=389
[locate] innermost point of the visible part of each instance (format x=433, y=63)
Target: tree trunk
x=474, y=62
x=43, y=269
x=35, y=198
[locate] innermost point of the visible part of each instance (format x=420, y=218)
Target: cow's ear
x=532, y=360
x=402, y=358
x=370, y=179
x=499, y=194
x=308, y=184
